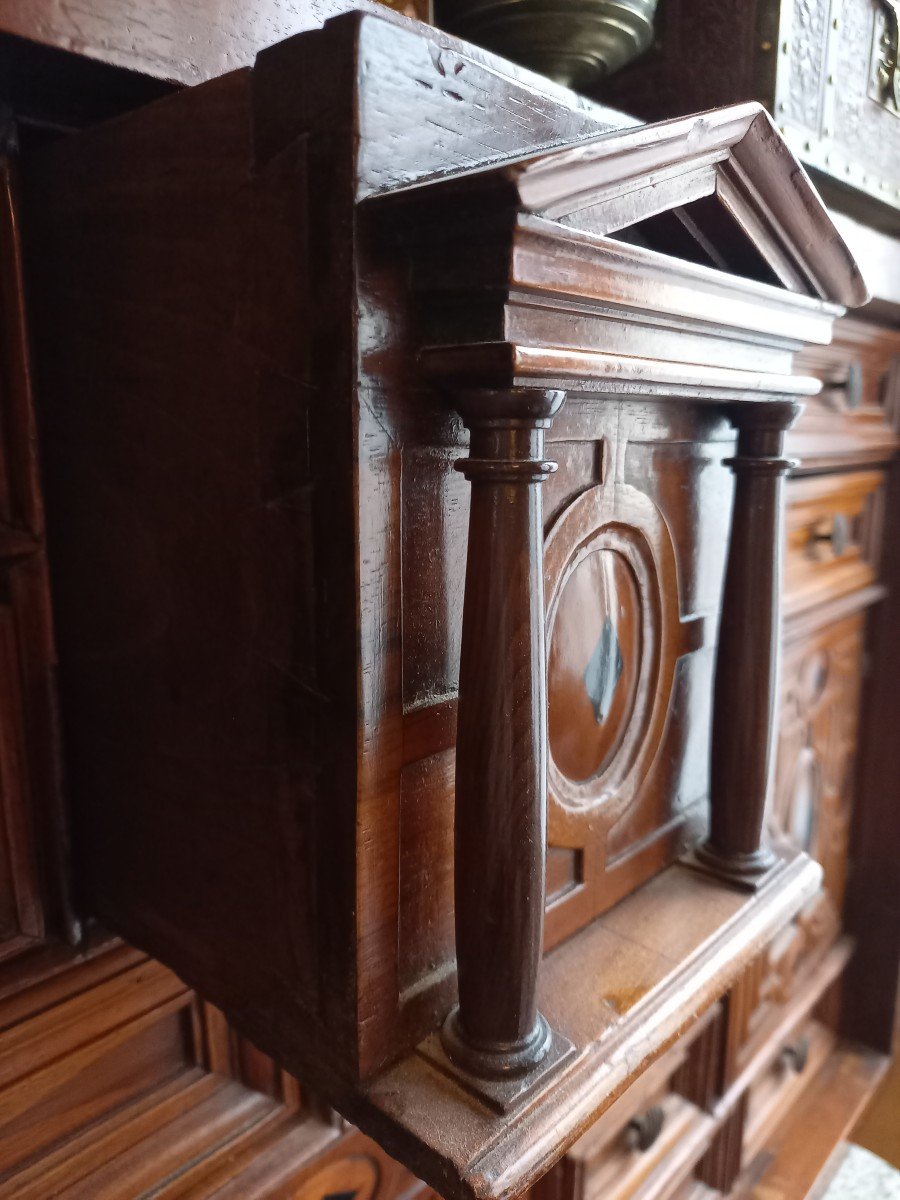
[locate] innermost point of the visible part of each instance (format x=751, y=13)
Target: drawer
x=651, y=1155
x=776, y=993
x=773, y=1093
x=645, y=1145
x=832, y=537
x=850, y=421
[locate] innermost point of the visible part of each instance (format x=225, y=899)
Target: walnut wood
x=748, y=650
x=674, y=916
x=870, y=1007
x=501, y=745
x=35, y=879
x=260, y=545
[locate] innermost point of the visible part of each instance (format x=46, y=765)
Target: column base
x=749, y=872
x=504, y=1060
x=503, y=1078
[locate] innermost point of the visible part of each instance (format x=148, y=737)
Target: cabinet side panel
x=191, y=517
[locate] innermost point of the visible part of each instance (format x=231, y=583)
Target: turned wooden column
x=746, y=676
x=501, y=745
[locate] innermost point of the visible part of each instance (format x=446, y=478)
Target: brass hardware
x=575, y=44
x=641, y=1132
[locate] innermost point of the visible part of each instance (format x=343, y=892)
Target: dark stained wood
x=819, y=81
x=255, y=306
x=116, y=1079
x=35, y=875
x=873, y=911
x=747, y=656
x=843, y=427
x=711, y=929
x=721, y=1165
x=501, y=743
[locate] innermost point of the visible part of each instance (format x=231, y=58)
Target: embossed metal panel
x=826, y=69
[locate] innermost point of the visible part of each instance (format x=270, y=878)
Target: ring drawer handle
x=796, y=1054
x=837, y=535
x=846, y=392
x=853, y=388
x=641, y=1132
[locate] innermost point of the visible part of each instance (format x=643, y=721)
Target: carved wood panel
x=813, y=63
x=625, y=771
x=811, y=805
x=116, y=1080
x=817, y=746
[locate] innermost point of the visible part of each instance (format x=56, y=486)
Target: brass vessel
x=575, y=42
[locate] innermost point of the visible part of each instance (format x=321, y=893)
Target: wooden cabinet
x=34, y=878
x=117, y=1081
x=418, y=485
x=396, y=495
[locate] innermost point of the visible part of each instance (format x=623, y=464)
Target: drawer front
x=775, y=1090
x=821, y=678
x=833, y=527
x=852, y=419
x=646, y=1144
x=812, y=802
x=653, y=1155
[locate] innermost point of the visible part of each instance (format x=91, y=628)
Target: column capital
x=507, y=428
x=535, y=407
x=775, y=416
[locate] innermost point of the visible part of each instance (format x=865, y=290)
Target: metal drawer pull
x=795, y=1054
x=641, y=1132
x=853, y=388
x=837, y=535
x=846, y=393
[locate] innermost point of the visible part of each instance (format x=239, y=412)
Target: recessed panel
x=594, y=664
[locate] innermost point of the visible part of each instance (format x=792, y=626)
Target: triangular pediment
x=726, y=176
x=719, y=188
